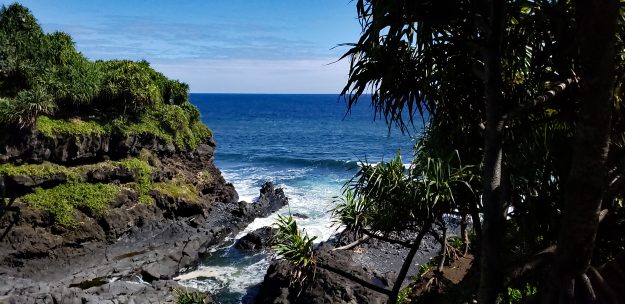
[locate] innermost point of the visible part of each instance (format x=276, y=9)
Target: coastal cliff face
x=93, y=215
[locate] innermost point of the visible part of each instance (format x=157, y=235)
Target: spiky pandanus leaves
x=389, y=198
x=294, y=246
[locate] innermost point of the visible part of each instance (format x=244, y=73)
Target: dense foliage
x=44, y=81
x=506, y=84
x=521, y=92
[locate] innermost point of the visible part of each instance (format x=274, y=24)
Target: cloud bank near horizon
x=216, y=46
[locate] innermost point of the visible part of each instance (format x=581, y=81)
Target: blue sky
x=227, y=46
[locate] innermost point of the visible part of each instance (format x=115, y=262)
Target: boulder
x=322, y=287
x=269, y=201
x=258, y=239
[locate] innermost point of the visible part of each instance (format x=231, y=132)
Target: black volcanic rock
x=49, y=264
x=258, y=239
x=324, y=286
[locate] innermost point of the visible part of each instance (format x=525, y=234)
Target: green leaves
x=184, y=296
x=390, y=198
x=40, y=73
x=294, y=246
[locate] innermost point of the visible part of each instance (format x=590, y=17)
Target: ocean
x=308, y=145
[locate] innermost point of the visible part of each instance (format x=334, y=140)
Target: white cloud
x=258, y=76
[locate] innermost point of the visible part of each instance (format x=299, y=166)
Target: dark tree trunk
x=586, y=181
x=492, y=198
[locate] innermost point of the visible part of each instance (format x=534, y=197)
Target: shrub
x=184, y=296
x=294, y=246
x=129, y=84
x=43, y=74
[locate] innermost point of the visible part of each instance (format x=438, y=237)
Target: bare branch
x=386, y=239
x=354, y=243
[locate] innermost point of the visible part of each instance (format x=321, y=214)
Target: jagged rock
x=323, y=287
x=30, y=146
x=25, y=291
x=300, y=216
x=153, y=241
x=269, y=201
x=258, y=239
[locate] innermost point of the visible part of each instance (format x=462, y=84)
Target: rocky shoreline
x=131, y=253
x=373, y=261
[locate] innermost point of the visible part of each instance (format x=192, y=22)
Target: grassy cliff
x=48, y=87
x=46, y=84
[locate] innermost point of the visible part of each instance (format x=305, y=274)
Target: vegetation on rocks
x=75, y=126
x=44, y=170
x=75, y=193
x=46, y=84
x=178, y=188
x=143, y=172
x=61, y=201
x=529, y=95
x=184, y=296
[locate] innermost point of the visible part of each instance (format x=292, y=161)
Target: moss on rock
x=51, y=127
x=177, y=188
x=62, y=201
x=44, y=170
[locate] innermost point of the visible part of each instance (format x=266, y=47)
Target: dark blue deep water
x=305, y=144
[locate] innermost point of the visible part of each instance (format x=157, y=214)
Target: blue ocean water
x=305, y=144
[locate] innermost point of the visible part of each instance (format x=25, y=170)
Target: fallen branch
x=386, y=239
x=354, y=243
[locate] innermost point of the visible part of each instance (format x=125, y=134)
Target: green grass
x=44, y=170
x=62, y=201
x=170, y=124
x=403, y=296
x=143, y=172
x=206, y=177
x=178, y=189
x=51, y=127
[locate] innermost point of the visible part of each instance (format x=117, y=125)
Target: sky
x=217, y=46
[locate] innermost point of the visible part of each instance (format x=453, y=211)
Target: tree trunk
x=492, y=198
x=586, y=181
x=408, y=262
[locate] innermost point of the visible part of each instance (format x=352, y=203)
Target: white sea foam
x=235, y=279
x=311, y=195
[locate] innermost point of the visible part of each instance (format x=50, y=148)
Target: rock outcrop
x=258, y=239
x=324, y=287
x=130, y=251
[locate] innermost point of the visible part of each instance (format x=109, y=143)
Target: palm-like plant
x=294, y=246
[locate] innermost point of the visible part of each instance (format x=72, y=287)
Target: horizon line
x=265, y=93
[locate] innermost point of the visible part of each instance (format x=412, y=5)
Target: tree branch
x=353, y=244
x=408, y=261
x=386, y=239
x=537, y=261
x=542, y=100
x=616, y=187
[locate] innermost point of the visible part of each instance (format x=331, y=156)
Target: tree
x=596, y=26
x=519, y=89
x=524, y=53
